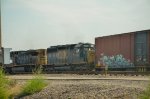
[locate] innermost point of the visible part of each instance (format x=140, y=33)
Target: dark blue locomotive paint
x=57, y=58
x=68, y=57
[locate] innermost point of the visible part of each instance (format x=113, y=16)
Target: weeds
x=8, y=88
x=4, y=94
x=34, y=85
x=37, y=70
x=146, y=93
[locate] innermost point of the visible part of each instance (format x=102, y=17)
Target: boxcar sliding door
x=141, y=48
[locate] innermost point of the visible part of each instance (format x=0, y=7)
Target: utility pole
x=1, y=49
x=4, y=52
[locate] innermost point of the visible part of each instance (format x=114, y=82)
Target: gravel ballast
x=93, y=89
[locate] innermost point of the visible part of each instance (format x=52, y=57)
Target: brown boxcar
x=134, y=46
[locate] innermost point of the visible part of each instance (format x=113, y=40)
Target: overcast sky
x=30, y=24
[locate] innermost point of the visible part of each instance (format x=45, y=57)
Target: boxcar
x=133, y=47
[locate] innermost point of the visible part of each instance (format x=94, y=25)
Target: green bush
x=4, y=94
x=34, y=85
x=2, y=76
x=6, y=85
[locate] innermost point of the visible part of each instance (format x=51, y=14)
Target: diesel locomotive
x=71, y=57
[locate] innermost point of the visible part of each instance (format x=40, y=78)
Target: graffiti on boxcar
x=116, y=61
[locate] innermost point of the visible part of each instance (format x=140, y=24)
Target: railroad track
x=59, y=77
x=125, y=73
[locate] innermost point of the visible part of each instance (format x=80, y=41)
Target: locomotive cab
x=86, y=51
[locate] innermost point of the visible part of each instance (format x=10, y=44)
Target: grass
x=4, y=85
x=34, y=85
x=146, y=93
x=15, y=91
x=3, y=91
x=9, y=88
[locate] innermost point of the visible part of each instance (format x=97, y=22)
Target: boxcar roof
x=122, y=33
